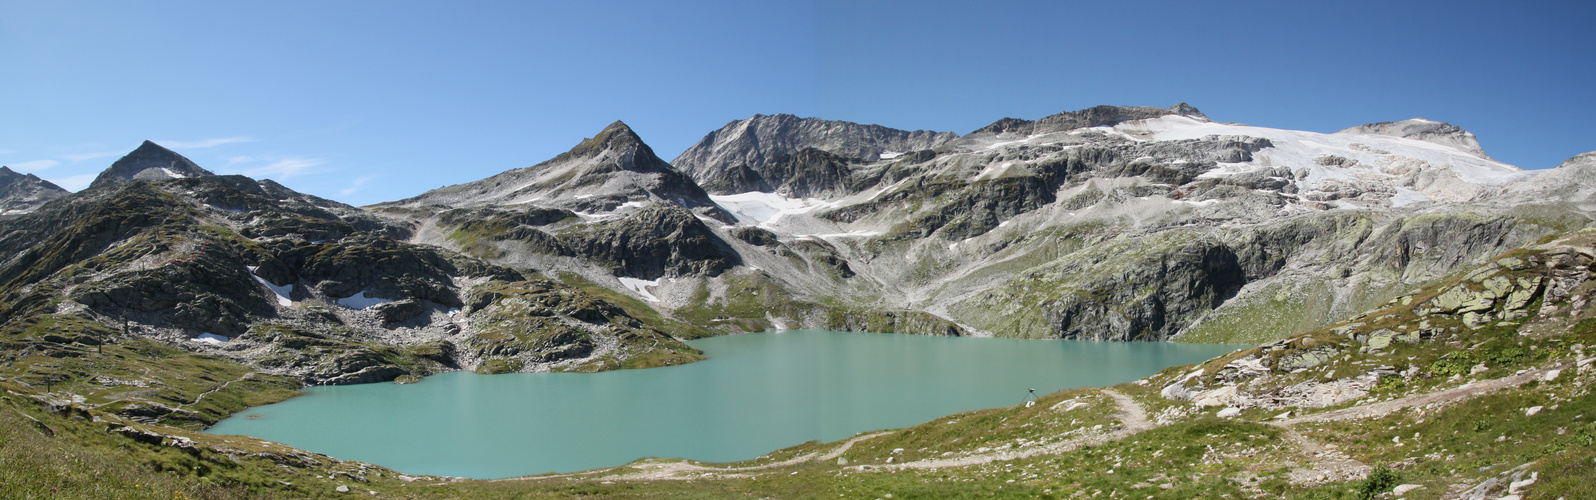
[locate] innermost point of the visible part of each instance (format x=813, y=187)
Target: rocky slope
x=1381, y=268
x=735, y=158
x=1475, y=387
x=291, y=285
x=609, y=171
x=20, y=194
x=1112, y=223
x=1434, y=132
x=1140, y=223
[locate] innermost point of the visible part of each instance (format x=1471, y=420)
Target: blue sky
x=364, y=102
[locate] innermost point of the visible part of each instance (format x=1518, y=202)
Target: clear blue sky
x=365, y=102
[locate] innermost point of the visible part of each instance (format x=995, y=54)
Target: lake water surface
x=756, y=393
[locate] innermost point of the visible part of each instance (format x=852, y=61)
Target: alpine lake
x=755, y=394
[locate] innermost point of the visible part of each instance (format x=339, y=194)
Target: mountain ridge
x=23, y=193
x=602, y=173
x=748, y=145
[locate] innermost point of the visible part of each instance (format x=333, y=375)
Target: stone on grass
x=1403, y=489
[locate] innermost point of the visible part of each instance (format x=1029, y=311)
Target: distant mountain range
x=1110, y=223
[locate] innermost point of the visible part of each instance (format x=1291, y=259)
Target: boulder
x=1222, y=396
x=1306, y=359
x=398, y=311
x=1176, y=392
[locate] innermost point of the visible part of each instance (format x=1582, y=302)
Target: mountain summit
x=1096, y=116
x=599, y=174
x=1430, y=131
x=21, y=193
x=735, y=158
x=150, y=161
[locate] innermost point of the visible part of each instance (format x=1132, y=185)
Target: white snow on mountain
x=1298, y=149
x=640, y=287
x=360, y=301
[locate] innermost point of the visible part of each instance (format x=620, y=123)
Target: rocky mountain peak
x=22, y=193
x=616, y=136
x=734, y=158
x=1430, y=131
x=150, y=161
x=1096, y=116
x=600, y=174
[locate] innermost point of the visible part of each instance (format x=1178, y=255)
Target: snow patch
x=888, y=155
x=641, y=287
x=1298, y=149
x=209, y=338
x=759, y=208
x=849, y=234
x=361, y=301
x=282, y=292
x=174, y=175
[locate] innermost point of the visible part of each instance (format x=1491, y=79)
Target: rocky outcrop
x=1569, y=182
x=735, y=158
x=656, y=241
x=1433, y=132
x=20, y=194
x=1150, y=300
x=541, y=325
x=1090, y=117
x=150, y=162
x=907, y=322
x=813, y=173
x=1490, y=309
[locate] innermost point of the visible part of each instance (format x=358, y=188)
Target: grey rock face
x=600, y=174
x=21, y=193
x=657, y=241
x=728, y=160
x=149, y=162
x=1434, y=132
x=1150, y=300
x=813, y=173
x=1570, y=181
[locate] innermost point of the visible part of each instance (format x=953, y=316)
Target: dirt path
x=1325, y=463
x=1131, y=414
x=676, y=469
x=1376, y=410
x=1328, y=464
x=202, y=395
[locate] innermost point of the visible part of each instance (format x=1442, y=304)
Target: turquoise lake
x=755, y=394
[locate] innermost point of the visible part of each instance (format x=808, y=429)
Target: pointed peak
x=149, y=161
x=1188, y=110
x=150, y=147
x=615, y=136
x=4, y=170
